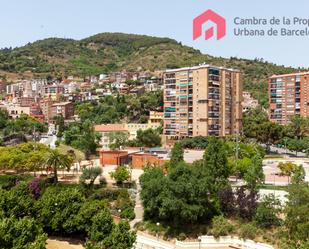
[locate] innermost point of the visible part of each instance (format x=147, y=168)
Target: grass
x=65, y=148
x=274, y=187
x=277, y=156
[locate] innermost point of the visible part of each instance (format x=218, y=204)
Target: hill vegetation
x=107, y=52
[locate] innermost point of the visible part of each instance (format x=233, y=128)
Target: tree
x=221, y=227
x=56, y=161
x=83, y=137
x=215, y=165
x=199, y=142
x=59, y=208
x=4, y=118
x=117, y=139
x=90, y=174
x=148, y=138
x=287, y=169
x=21, y=233
x=270, y=133
x=59, y=123
x=176, y=154
x=121, y=237
x=180, y=198
x=297, y=212
x=252, y=120
x=268, y=211
x=102, y=225
x=298, y=127
x=24, y=157
x=246, y=203
x=299, y=175
x=255, y=175
x=227, y=201
x=121, y=174
x=297, y=145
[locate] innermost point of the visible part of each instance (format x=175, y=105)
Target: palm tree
x=56, y=160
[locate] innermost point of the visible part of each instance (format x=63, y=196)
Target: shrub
x=267, y=213
x=227, y=201
x=34, y=187
x=248, y=231
x=128, y=213
x=182, y=236
x=121, y=174
x=221, y=227
x=90, y=174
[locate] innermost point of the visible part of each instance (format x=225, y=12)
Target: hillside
x=106, y=52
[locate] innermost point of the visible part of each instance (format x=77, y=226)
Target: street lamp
x=158, y=224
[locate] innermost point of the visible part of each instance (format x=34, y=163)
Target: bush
x=267, y=213
x=248, y=231
x=121, y=174
x=182, y=236
x=34, y=187
x=90, y=174
x=128, y=213
x=21, y=233
x=109, y=194
x=221, y=227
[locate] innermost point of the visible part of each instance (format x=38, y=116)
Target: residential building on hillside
x=155, y=117
x=65, y=109
x=201, y=101
x=46, y=106
x=54, y=91
x=131, y=129
x=15, y=110
x=105, y=130
x=248, y=102
x=288, y=96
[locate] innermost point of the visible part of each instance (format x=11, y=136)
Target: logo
x=207, y=16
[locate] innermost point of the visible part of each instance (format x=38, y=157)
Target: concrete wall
x=145, y=241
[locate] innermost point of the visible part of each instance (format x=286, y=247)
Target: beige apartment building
x=202, y=101
x=288, y=96
x=131, y=129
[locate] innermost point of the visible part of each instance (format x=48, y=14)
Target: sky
x=28, y=21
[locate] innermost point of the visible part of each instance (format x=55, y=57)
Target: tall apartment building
x=288, y=96
x=202, y=101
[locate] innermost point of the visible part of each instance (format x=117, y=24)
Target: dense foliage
x=108, y=52
x=116, y=109
x=59, y=210
x=294, y=136
x=81, y=136
x=18, y=129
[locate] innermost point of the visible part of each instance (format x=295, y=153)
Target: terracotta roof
x=109, y=127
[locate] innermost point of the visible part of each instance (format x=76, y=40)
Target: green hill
x=106, y=52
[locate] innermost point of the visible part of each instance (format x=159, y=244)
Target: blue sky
x=27, y=21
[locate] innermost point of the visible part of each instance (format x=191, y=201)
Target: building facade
x=288, y=96
x=64, y=109
x=202, y=101
x=131, y=129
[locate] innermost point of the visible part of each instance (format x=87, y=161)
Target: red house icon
x=209, y=15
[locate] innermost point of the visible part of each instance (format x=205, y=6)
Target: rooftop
x=290, y=74
x=109, y=127
x=201, y=66
x=61, y=103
